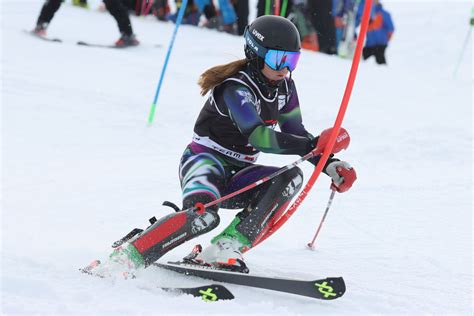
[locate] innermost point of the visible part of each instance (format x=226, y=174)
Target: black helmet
x=270, y=32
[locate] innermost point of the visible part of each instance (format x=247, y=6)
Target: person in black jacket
x=321, y=16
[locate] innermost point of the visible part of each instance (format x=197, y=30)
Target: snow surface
x=80, y=168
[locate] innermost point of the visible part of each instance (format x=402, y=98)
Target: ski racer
x=116, y=8
x=247, y=99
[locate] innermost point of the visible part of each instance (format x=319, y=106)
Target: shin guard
x=171, y=231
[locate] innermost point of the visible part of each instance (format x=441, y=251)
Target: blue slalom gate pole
x=168, y=54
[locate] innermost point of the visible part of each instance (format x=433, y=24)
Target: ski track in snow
x=80, y=168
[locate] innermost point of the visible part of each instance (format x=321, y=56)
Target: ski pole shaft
x=168, y=54
x=311, y=154
x=331, y=197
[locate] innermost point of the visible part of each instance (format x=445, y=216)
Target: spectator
x=299, y=17
x=241, y=8
x=379, y=33
x=224, y=20
x=321, y=16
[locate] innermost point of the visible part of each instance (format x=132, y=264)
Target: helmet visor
x=279, y=59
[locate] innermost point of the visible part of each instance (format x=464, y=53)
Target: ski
x=82, y=43
x=208, y=293
x=325, y=289
x=44, y=38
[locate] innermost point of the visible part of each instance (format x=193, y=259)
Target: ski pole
x=331, y=197
x=341, y=143
x=201, y=207
x=158, y=88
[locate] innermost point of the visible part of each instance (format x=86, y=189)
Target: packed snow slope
x=80, y=168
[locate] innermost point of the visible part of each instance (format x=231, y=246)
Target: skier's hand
x=342, y=140
x=342, y=175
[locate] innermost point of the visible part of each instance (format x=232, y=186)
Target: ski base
x=325, y=289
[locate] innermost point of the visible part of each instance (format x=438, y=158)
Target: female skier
x=247, y=99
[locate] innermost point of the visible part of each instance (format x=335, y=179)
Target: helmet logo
x=258, y=35
x=252, y=44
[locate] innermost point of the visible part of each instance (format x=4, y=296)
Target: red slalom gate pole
x=277, y=7
x=337, y=125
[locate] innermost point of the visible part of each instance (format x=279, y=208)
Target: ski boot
x=40, y=29
x=127, y=40
x=212, y=23
x=221, y=255
x=230, y=28
x=123, y=262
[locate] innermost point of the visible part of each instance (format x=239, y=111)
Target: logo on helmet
x=252, y=44
x=258, y=35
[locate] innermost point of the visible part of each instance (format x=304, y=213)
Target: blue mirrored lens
x=278, y=59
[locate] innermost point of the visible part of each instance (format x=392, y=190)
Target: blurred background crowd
x=327, y=26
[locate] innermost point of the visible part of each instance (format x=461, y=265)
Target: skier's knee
x=189, y=201
x=294, y=180
x=203, y=223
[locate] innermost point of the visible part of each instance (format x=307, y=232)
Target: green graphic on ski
x=208, y=293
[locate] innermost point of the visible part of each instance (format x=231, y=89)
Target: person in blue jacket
x=379, y=33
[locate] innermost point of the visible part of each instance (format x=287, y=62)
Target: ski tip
x=224, y=293
x=330, y=288
x=43, y=37
x=88, y=269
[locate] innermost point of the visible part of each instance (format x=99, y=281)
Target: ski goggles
x=275, y=59
x=279, y=59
